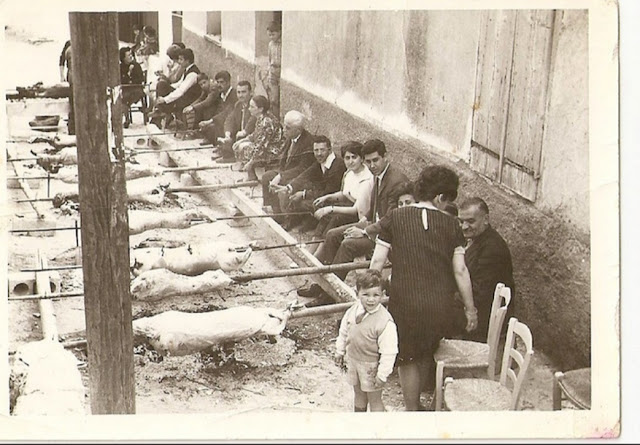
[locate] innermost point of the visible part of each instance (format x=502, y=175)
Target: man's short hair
x=187, y=54
x=245, y=83
x=274, y=26
x=354, y=147
x=475, y=202
x=224, y=75
x=374, y=146
x=322, y=139
x=202, y=76
x=179, y=45
x=173, y=52
x=367, y=279
x=295, y=118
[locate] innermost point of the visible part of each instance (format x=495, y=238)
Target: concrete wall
x=408, y=78
x=564, y=186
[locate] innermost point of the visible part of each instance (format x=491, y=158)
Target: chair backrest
x=511, y=354
x=501, y=300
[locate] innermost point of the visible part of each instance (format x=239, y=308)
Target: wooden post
x=103, y=212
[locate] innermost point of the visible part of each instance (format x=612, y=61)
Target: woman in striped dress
x=428, y=268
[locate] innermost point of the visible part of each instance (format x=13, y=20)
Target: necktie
x=293, y=143
x=374, y=199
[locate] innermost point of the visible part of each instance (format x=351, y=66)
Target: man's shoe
x=314, y=290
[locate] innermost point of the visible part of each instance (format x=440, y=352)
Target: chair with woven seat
x=491, y=395
x=574, y=386
x=467, y=354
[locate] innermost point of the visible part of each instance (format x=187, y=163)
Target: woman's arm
x=463, y=280
x=379, y=257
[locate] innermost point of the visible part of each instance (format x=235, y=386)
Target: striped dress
x=423, y=284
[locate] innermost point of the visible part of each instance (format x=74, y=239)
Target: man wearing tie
x=296, y=157
x=238, y=124
x=345, y=243
x=321, y=178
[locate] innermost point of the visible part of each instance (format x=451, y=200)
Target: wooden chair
x=466, y=354
x=489, y=395
x=574, y=386
x=142, y=106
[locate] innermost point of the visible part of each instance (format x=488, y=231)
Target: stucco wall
x=411, y=72
x=564, y=186
x=239, y=33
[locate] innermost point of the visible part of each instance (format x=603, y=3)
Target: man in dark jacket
x=214, y=128
x=321, y=178
x=488, y=260
x=296, y=157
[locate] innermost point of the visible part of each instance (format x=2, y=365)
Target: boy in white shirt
x=369, y=338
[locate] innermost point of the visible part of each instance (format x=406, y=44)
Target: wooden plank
x=103, y=209
x=492, y=78
x=528, y=96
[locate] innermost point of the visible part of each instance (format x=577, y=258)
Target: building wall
x=414, y=89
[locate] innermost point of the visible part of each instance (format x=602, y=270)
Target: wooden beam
x=103, y=211
x=47, y=313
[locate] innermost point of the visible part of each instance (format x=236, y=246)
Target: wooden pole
x=300, y=271
x=212, y=187
x=103, y=211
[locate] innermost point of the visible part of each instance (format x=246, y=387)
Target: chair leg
x=439, y=385
x=556, y=391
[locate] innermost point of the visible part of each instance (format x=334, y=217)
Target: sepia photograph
x=298, y=221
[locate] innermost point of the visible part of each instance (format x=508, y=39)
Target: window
x=214, y=26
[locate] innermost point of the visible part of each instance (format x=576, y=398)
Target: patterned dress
x=423, y=284
x=264, y=145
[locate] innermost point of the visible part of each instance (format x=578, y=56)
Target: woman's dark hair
x=435, y=180
x=123, y=52
x=149, y=30
x=406, y=188
x=261, y=102
x=351, y=147
x=179, y=45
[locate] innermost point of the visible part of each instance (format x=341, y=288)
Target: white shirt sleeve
x=189, y=81
x=388, y=348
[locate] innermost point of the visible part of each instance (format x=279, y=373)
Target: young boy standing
x=369, y=337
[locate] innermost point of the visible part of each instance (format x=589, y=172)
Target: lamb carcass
x=193, y=259
x=142, y=220
x=157, y=284
x=182, y=333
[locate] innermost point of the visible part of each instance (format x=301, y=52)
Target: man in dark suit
x=489, y=262
x=296, y=157
x=173, y=98
x=345, y=243
x=321, y=178
x=214, y=128
x=238, y=124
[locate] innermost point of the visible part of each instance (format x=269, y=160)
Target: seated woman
x=148, y=47
x=352, y=201
x=261, y=148
x=131, y=79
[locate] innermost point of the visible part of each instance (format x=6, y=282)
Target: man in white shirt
x=176, y=96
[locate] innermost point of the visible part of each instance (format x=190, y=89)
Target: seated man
x=238, y=124
x=345, y=243
x=321, y=178
x=214, y=128
x=297, y=156
x=205, y=106
x=173, y=98
x=489, y=262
